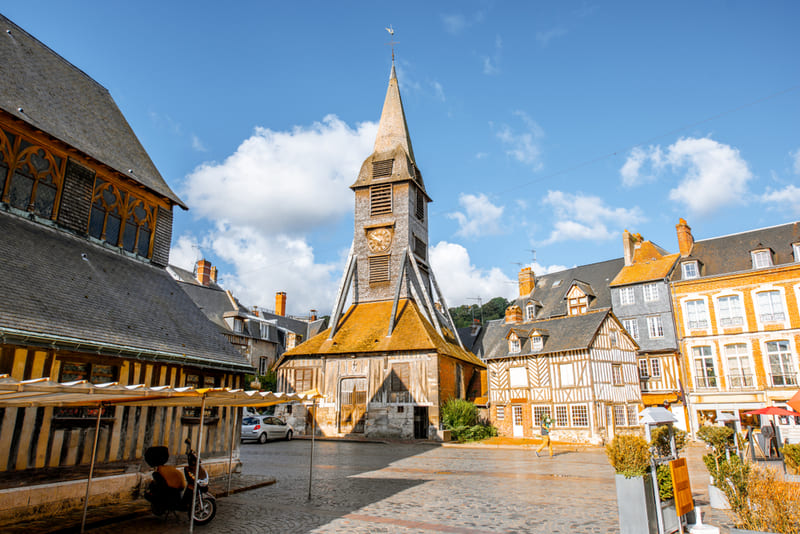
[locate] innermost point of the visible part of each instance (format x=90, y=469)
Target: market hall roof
x=364, y=327
x=46, y=91
x=62, y=291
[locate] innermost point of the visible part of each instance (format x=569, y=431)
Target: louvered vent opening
x=382, y=168
x=419, y=248
x=378, y=269
x=420, y=205
x=380, y=198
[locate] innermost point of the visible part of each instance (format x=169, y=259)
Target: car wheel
x=262, y=438
x=289, y=436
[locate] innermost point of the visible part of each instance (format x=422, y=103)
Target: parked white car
x=264, y=427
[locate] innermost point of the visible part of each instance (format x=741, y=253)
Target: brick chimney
x=313, y=315
x=685, y=239
x=527, y=281
x=255, y=311
x=280, y=303
x=203, y=273
x=513, y=314
x=213, y=274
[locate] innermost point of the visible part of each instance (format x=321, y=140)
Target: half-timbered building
x=388, y=362
x=641, y=299
x=561, y=352
x=85, y=230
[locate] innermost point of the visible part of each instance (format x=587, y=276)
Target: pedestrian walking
x=547, y=422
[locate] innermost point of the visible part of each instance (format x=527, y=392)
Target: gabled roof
x=63, y=288
x=574, y=332
x=44, y=90
x=650, y=262
x=363, y=330
x=551, y=289
x=731, y=253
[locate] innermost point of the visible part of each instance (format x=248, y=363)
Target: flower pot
x=636, y=504
x=717, y=498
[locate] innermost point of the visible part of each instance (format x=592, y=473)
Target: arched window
x=105, y=221
x=31, y=176
x=120, y=219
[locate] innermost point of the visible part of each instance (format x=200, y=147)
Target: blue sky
x=537, y=126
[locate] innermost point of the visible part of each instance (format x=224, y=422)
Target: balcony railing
x=697, y=325
x=784, y=380
x=740, y=381
x=777, y=317
x=706, y=382
x=731, y=321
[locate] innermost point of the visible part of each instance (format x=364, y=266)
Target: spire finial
x=391, y=42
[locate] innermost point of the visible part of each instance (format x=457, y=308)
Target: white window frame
x=626, y=296
x=518, y=377
x=650, y=292
x=579, y=419
x=566, y=375
x=785, y=363
x=537, y=413
x=530, y=311
x=729, y=310
x=761, y=258
x=617, y=376
x=514, y=346
x=690, y=270
x=562, y=418
x=796, y=251
x=696, y=314
x=771, y=307
x=655, y=367
x=644, y=371
x=632, y=327
x=739, y=375
x=704, y=379
x=612, y=338
x=655, y=328
x=537, y=343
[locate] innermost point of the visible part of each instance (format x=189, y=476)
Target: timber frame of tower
x=388, y=362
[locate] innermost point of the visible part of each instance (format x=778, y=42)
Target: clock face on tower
x=379, y=240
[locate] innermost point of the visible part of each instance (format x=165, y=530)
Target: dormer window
x=513, y=344
x=761, y=258
x=690, y=269
x=530, y=311
x=238, y=325
x=537, y=343
x=796, y=251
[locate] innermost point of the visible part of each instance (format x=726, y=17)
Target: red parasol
x=794, y=402
x=773, y=410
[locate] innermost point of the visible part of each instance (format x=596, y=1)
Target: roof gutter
x=11, y=335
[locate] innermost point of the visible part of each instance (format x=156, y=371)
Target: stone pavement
x=420, y=488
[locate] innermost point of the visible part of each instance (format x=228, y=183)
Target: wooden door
x=352, y=405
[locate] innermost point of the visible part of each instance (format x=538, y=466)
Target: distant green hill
x=494, y=309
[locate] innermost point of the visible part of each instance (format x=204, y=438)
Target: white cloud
x=795, y=161
x=455, y=23
x=185, y=252
x=465, y=281
x=438, y=90
x=715, y=175
x=545, y=37
x=539, y=269
x=197, y=144
x=262, y=202
x=523, y=146
x=787, y=199
x=491, y=63
x=284, y=182
x=481, y=217
x=581, y=217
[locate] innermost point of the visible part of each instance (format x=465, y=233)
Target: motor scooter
x=171, y=491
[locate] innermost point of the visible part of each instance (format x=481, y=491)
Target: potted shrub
x=630, y=456
x=660, y=443
x=791, y=459
x=766, y=505
x=719, y=463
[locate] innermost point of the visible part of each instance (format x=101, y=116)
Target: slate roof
x=650, y=262
x=574, y=332
x=552, y=294
x=363, y=330
x=731, y=253
x=50, y=290
x=46, y=91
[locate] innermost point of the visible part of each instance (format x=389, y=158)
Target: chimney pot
x=527, y=281
x=204, y=272
x=280, y=303
x=513, y=314
x=213, y=274
x=685, y=238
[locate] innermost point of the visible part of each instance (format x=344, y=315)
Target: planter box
x=717, y=498
x=740, y=531
x=636, y=504
x=669, y=516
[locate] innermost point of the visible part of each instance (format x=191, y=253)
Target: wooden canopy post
x=91, y=467
x=313, y=433
x=235, y=411
x=197, y=467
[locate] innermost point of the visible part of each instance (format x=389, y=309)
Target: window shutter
x=382, y=168
x=380, y=198
x=378, y=269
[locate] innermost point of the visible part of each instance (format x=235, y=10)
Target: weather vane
x=391, y=42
